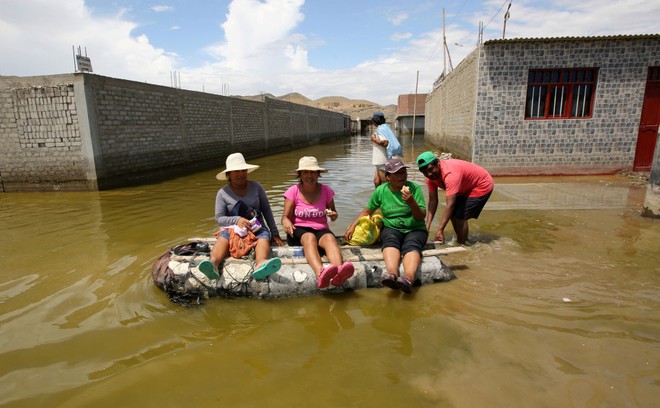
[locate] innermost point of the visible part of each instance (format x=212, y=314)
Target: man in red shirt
x=467, y=189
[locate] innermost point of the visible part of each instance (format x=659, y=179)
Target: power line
x=498, y=12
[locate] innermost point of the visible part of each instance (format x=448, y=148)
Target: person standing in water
x=467, y=189
x=386, y=146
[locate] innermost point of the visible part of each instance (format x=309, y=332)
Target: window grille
x=560, y=93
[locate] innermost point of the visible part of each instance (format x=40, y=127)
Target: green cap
x=425, y=159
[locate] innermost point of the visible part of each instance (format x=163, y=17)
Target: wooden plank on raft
x=441, y=251
x=373, y=254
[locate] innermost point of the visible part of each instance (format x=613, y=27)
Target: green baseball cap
x=425, y=159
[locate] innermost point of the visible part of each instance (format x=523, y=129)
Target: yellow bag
x=367, y=230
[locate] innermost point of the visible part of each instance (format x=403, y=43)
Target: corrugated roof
x=602, y=37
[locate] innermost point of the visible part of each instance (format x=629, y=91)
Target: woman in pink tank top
x=307, y=207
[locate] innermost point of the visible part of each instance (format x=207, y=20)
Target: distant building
x=410, y=113
x=575, y=105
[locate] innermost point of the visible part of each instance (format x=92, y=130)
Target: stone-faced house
x=577, y=105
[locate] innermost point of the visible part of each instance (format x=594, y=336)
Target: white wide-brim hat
x=309, y=163
x=235, y=162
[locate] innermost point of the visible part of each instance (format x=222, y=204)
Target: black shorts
x=404, y=242
x=300, y=231
x=466, y=208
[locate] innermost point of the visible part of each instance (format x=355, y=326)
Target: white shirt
x=379, y=156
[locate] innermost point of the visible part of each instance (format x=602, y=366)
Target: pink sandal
x=345, y=271
x=326, y=276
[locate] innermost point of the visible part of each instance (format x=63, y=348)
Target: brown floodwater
x=556, y=304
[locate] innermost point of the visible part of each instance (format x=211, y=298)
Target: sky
x=359, y=49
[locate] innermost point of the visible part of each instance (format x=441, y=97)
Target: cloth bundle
x=367, y=230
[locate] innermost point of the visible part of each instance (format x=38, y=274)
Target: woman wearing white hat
x=307, y=205
x=248, y=196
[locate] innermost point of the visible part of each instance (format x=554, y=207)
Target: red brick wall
x=406, y=104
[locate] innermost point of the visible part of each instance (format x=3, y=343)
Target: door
x=648, y=124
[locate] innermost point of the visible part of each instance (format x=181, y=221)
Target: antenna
x=81, y=63
x=175, y=79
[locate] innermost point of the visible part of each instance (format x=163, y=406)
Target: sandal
x=326, y=276
x=389, y=280
x=345, y=271
x=267, y=267
x=207, y=268
x=404, y=284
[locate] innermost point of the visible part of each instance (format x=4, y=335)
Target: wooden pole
x=444, y=46
x=506, y=17
x=415, y=106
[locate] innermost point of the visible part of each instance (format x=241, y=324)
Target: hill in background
x=355, y=108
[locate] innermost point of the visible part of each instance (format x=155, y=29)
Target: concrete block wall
x=87, y=132
x=40, y=137
x=287, y=123
x=207, y=125
x=137, y=129
x=300, y=125
x=450, y=110
x=506, y=143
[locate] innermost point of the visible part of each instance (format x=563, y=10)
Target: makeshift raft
x=176, y=272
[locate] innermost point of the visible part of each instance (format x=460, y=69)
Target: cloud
x=398, y=19
x=260, y=45
x=161, y=8
x=260, y=52
x=565, y=18
x=40, y=43
x=253, y=35
x=401, y=36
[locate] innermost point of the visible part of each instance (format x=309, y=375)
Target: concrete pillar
x=652, y=200
x=83, y=90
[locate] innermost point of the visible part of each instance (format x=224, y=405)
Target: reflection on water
x=556, y=305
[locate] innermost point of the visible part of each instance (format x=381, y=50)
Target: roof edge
x=601, y=37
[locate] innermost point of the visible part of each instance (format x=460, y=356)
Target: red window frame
x=563, y=93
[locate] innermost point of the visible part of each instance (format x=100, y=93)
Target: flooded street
x=556, y=304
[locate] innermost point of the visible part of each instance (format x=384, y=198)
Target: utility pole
x=506, y=17
x=444, y=46
x=415, y=106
